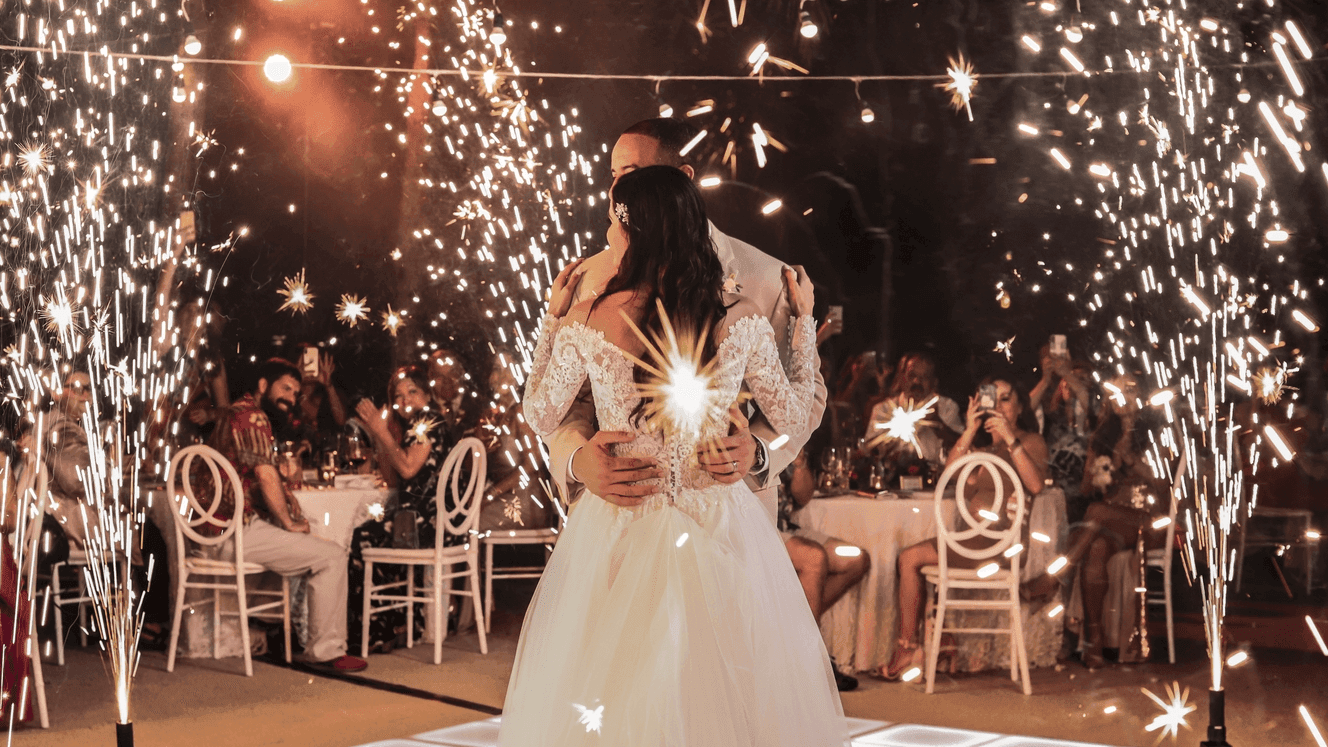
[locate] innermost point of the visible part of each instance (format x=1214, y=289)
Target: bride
x=680, y=621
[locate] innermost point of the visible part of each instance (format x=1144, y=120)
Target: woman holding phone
x=993, y=427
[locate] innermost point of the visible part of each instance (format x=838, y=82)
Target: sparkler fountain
x=496, y=176
x=87, y=206
x=1180, y=124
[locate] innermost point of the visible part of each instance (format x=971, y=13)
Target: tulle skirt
x=677, y=626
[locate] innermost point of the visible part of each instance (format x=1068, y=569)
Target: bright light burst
x=352, y=310
x=297, y=295
x=962, y=82
x=1006, y=347
x=591, y=718
x=903, y=424
x=35, y=157
x=1174, y=711
x=680, y=398
x=393, y=320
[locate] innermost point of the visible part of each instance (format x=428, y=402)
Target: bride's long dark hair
x=670, y=256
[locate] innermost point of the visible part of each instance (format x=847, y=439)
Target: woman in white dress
x=678, y=622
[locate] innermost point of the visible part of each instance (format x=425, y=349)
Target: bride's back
x=605, y=337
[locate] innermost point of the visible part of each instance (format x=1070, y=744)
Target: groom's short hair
x=672, y=134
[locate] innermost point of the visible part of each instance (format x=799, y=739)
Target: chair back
x=465, y=508
x=30, y=496
x=193, y=511
x=1177, y=487
x=968, y=526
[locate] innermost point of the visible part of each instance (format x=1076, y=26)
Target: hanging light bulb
x=277, y=68
x=192, y=45
x=178, y=94
x=499, y=33
x=665, y=111
x=868, y=116
x=806, y=27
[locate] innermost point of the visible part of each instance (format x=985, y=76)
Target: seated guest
x=915, y=383
x=276, y=534
x=1118, y=483
x=417, y=458
x=993, y=431
x=66, y=454
x=861, y=385
x=827, y=567
x=514, y=498
x=320, y=409
x=1061, y=400
x=451, y=391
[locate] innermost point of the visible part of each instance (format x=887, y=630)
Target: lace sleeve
x=556, y=374
x=785, y=397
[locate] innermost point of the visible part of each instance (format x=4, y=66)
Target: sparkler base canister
x=124, y=735
x=1217, y=720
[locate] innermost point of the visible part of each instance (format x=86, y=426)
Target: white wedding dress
x=679, y=623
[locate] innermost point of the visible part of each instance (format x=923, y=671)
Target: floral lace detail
x=569, y=353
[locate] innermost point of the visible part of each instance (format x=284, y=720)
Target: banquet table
x=860, y=629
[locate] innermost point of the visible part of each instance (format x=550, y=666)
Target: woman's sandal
x=907, y=655
x=910, y=655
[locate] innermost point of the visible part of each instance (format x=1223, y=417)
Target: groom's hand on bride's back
x=729, y=459
x=615, y=479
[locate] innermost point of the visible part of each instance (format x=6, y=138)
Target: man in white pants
x=276, y=534
x=580, y=455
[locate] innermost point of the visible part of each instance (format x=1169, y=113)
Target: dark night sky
x=908, y=176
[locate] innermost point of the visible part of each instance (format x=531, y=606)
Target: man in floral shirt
x=276, y=534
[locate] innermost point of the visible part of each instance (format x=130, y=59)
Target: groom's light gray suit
x=760, y=278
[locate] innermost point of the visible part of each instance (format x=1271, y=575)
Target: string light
x=806, y=26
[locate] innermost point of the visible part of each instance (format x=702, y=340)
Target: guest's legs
x=157, y=594
x=291, y=554
x=845, y=571
x=911, y=562
x=810, y=562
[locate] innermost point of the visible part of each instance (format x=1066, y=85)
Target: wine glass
x=327, y=468
x=354, y=450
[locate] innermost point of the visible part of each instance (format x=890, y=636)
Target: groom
x=580, y=456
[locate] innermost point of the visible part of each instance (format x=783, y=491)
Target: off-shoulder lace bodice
x=569, y=353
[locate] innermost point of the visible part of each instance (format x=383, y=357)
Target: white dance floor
x=864, y=733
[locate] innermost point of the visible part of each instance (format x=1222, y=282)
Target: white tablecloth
x=861, y=628
x=333, y=513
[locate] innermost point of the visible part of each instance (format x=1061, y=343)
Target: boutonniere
x=731, y=284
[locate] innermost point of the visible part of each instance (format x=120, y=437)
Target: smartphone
x=836, y=314
x=1058, y=347
x=309, y=362
x=987, y=397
